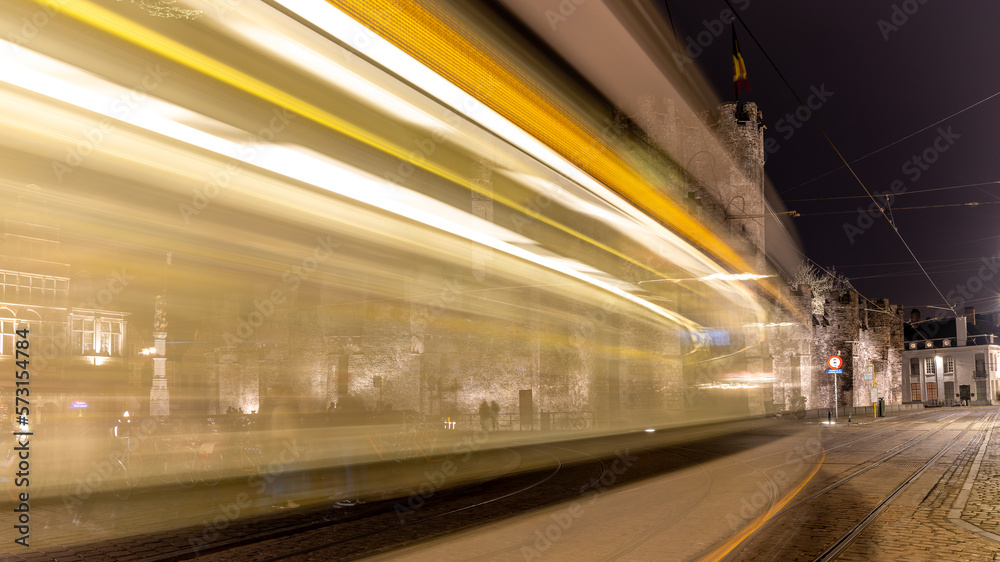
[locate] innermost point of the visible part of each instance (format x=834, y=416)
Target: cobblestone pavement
x=928, y=531
x=920, y=523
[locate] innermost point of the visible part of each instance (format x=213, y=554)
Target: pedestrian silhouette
x=495, y=415
x=485, y=416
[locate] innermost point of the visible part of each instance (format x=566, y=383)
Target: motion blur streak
x=146, y=38
x=282, y=258
x=294, y=164
x=721, y=552
x=449, y=53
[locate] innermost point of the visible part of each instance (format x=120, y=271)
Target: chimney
x=970, y=314
x=961, y=331
x=915, y=315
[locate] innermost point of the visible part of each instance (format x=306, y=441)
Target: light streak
x=727, y=547
x=148, y=39
x=314, y=169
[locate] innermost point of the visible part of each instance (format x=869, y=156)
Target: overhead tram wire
x=839, y=154
x=908, y=192
x=913, y=208
x=897, y=141
x=850, y=280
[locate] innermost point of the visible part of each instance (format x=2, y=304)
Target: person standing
x=495, y=415
x=485, y=416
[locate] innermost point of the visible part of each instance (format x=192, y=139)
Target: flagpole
x=736, y=68
x=739, y=68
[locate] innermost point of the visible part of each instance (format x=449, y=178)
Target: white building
x=952, y=360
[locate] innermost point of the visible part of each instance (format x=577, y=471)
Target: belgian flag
x=740, y=83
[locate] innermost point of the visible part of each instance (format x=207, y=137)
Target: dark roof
x=944, y=328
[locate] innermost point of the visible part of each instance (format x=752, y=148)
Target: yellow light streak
x=419, y=33
x=146, y=38
x=355, y=184
x=429, y=40
x=728, y=546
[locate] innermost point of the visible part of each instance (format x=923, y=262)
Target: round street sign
x=834, y=362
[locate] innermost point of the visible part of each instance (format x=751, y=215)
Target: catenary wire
x=839, y=154
x=912, y=208
x=897, y=141
x=908, y=192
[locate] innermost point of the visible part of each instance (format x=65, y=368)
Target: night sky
x=883, y=82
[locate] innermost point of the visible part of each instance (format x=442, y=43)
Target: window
x=83, y=335
x=931, y=391
x=7, y=325
x=915, y=392
x=980, y=363
x=97, y=336
x=914, y=366
x=993, y=361
x=949, y=365
x=929, y=366
x=111, y=337
x=31, y=289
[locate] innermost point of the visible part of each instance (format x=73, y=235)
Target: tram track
x=423, y=520
x=384, y=514
x=846, y=538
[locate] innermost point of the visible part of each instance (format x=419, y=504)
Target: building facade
x=952, y=361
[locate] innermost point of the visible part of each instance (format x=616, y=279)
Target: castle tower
x=740, y=128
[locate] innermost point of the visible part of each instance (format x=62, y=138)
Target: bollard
x=829, y=419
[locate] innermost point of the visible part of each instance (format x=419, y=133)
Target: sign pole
x=834, y=367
